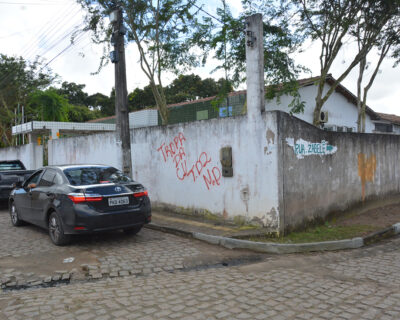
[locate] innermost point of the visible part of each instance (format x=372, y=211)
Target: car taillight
x=80, y=197
x=140, y=194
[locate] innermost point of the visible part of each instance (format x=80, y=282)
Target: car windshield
x=6, y=166
x=82, y=176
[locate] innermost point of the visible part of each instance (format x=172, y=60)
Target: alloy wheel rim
x=14, y=216
x=54, y=228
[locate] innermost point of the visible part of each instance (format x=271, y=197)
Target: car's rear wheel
x=132, y=231
x=56, y=231
x=15, y=220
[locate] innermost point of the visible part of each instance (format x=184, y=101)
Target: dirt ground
x=380, y=217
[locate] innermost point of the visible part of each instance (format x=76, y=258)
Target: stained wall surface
x=180, y=165
x=324, y=172
x=30, y=154
x=91, y=149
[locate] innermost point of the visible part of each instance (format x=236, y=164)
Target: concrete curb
x=282, y=248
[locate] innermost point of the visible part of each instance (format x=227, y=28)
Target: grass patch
x=248, y=227
x=325, y=232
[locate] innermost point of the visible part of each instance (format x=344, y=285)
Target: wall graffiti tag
x=201, y=168
x=366, y=170
x=304, y=148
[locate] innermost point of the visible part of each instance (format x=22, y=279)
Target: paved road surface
x=159, y=276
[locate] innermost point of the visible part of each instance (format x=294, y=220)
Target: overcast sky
x=30, y=28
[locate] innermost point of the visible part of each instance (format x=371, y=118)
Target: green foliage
x=50, y=105
x=334, y=24
x=18, y=79
x=190, y=87
x=325, y=232
x=226, y=38
x=73, y=93
x=161, y=30
x=80, y=113
x=102, y=103
x=141, y=98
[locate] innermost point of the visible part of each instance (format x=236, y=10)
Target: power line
x=31, y=3
x=51, y=31
x=45, y=29
x=78, y=39
x=207, y=13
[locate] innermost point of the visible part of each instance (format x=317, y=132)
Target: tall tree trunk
x=361, y=110
x=319, y=101
x=161, y=102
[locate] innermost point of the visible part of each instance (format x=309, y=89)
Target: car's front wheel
x=56, y=231
x=133, y=230
x=15, y=220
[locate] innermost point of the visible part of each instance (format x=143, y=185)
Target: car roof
x=71, y=166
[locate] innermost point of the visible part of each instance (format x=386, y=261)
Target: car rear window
x=83, y=176
x=6, y=166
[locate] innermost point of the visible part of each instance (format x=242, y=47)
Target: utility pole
x=121, y=92
x=255, y=67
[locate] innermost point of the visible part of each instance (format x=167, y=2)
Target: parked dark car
x=80, y=199
x=11, y=171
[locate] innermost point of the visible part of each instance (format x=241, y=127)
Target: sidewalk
x=381, y=219
x=185, y=225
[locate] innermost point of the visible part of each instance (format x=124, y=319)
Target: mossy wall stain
x=366, y=170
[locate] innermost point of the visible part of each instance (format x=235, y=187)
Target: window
x=383, y=127
x=339, y=129
x=83, y=176
x=225, y=112
x=202, y=115
x=47, y=178
x=33, y=179
x=11, y=165
x=350, y=129
x=58, y=179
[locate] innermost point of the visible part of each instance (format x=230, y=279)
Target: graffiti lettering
x=212, y=179
x=304, y=148
x=170, y=149
x=175, y=151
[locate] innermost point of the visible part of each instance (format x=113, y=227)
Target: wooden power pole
x=121, y=92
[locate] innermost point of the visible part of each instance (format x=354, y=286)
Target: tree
x=141, y=98
x=73, y=93
x=161, y=30
x=99, y=101
x=388, y=40
x=331, y=24
x=226, y=39
x=18, y=79
x=51, y=106
x=80, y=113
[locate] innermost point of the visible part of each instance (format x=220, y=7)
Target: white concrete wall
x=251, y=192
x=180, y=166
x=341, y=112
x=90, y=149
x=30, y=154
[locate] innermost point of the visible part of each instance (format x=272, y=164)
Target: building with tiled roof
x=339, y=112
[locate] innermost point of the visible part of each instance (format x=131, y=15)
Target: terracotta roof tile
x=390, y=117
x=302, y=83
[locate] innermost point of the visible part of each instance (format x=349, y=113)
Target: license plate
x=118, y=201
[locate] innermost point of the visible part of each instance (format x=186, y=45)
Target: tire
x=15, y=220
x=56, y=231
x=132, y=231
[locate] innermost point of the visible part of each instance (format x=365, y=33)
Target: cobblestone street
x=159, y=276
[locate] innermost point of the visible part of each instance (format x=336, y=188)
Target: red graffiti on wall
x=175, y=151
